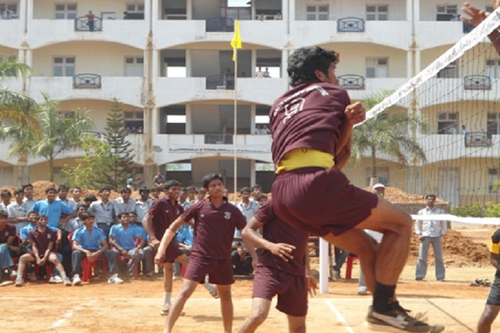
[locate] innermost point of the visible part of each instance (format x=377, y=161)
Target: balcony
x=352, y=82
x=351, y=24
x=178, y=147
x=12, y=32
x=83, y=23
x=220, y=82
x=477, y=82
x=443, y=33
x=87, y=81
x=220, y=24
x=127, y=89
x=478, y=139
x=127, y=32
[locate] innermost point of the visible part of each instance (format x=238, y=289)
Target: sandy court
x=134, y=307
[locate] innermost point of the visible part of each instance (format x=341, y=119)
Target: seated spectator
x=124, y=204
x=7, y=247
x=124, y=237
x=143, y=204
x=91, y=242
x=42, y=241
x=147, y=251
x=25, y=246
x=18, y=211
x=184, y=237
x=242, y=260
x=70, y=226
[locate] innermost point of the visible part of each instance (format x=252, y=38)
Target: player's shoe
x=67, y=282
x=55, y=279
x=166, y=309
x=398, y=317
x=115, y=279
x=76, y=280
x=19, y=282
x=212, y=290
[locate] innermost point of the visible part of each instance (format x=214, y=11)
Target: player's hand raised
x=355, y=113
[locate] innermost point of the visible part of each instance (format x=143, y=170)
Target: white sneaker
x=67, y=282
x=76, y=280
x=13, y=273
x=115, y=279
x=55, y=279
x=19, y=282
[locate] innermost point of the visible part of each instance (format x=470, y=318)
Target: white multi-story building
x=169, y=63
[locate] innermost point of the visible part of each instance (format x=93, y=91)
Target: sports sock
x=382, y=297
x=207, y=286
x=167, y=299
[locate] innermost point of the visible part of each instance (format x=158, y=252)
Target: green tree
x=15, y=107
x=58, y=133
x=387, y=134
x=91, y=170
x=116, y=137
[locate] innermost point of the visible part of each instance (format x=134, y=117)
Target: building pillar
x=253, y=174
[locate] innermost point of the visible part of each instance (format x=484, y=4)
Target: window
x=377, y=12
x=493, y=180
x=134, y=121
x=66, y=11
x=11, y=8
x=493, y=124
x=317, y=12
x=493, y=68
x=447, y=13
x=134, y=66
x=450, y=71
x=64, y=66
x=176, y=120
x=175, y=66
x=382, y=175
x=448, y=123
x=377, y=68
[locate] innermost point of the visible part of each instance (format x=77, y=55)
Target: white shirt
x=430, y=228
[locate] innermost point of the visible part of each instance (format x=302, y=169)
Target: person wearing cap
x=378, y=189
x=430, y=232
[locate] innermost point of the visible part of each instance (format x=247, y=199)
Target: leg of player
x=168, y=272
x=487, y=318
x=260, y=311
x=53, y=259
x=184, y=260
x=187, y=289
x=226, y=306
x=296, y=324
x=25, y=258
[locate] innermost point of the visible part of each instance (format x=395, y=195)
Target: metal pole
x=235, y=145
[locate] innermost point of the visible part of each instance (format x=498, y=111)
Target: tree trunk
x=373, y=177
x=51, y=169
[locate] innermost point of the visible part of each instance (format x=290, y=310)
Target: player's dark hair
x=105, y=188
x=62, y=187
x=427, y=196
x=143, y=189
x=245, y=189
x=90, y=197
x=125, y=190
x=256, y=186
x=305, y=61
x=18, y=190
x=81, y=204
x=122, y=214
x=32, y=212
x=87, y=216
x=27, y=185
x=6, y=193
x=211, y=176
x=50, y=188
x=170, y=183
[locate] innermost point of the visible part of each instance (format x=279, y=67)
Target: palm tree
x=388, y=134
x=59, y=133
x=15, y=107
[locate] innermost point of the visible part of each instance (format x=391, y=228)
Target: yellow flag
x=236, y=41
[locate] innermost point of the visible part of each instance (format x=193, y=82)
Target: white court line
x=339, y=316
x=69, y=313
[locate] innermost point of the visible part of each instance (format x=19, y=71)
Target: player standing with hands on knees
x=311, y=127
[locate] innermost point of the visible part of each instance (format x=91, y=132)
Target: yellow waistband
x=303, y=158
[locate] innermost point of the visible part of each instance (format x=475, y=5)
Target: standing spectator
x=42, y=240
x=130, y=184
x=430, y=232
x=155, y=192
x=127, y=241
x=265, y=130
x=256, y=191
x=91, y=242
x=89, y=199
x=143, y=204
x=103, y=210
x=7, y=247
x=465, y=133
x=57, y=211
x=257, y=130
x=159, y=179
x=266, y=73
x=183, y=199
x=90, y=20
x=215, y=220
x=28, y=196
x=191, y=193
x=62, y=195
x=260, y=73
x=125, y=16
x=124, y=204
x=76, y=192
x=6, y=196
x=278, y=16
x=339, y=256
x=201, y=193
x=18, y=210
x=492, y=306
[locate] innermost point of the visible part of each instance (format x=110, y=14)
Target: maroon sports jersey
x=308, y=116
x=214, y=228
x=164, y=214
x=277, y=231
x=8, y=231
x=42, y=239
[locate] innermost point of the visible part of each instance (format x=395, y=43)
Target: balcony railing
x=478, y=139
x=351, y=24
x=352, y=81
x=477, y=82
x=87, y=81
x=218, y=138
x=220, y=82
x=223, y=24
x=82, y=23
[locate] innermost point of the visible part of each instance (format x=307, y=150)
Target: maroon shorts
x=291, y=289
x=219, y=271
x=320, y=201
x=32, y=253
x=172, y=252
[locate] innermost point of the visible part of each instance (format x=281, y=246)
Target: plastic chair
x=349, y=262
x=87, y=266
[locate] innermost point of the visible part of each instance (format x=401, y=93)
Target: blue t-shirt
x=125, y=237
x=24, y=233
x=53, y=210
x=185, y=235
x=144, y=234
x=89, y=240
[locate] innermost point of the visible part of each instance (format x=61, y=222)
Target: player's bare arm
x=494, y=259
x=355, y=114
x=251, y=236
x=147, y=224
x=167, y=238
x=312, y=283
x=476, y=16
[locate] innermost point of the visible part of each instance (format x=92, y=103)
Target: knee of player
x=258, y=317
x=489, y=315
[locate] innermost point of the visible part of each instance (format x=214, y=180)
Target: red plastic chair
x=349, y=262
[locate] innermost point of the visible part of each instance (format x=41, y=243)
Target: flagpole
x=235, y=144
